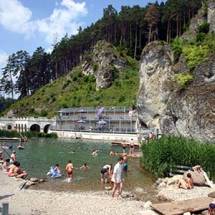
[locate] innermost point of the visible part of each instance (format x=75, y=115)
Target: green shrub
x=195, y=55
x=95, y=67
x=200, y=37
x=162, y=154
x=204, y=28
x=183, y=79
x=177, y=48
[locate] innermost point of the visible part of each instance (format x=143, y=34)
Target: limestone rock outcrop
x=211, y=15
x=189, y=112
x=195, y=22
x=104, y=63
x=154, y=92
x=192, y=112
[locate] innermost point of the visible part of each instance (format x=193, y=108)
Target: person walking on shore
x=69, y=170
x=117, y=177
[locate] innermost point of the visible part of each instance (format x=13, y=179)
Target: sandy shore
x=34, y=202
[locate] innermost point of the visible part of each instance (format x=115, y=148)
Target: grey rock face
x=189, y=112
x=197, y=20
x=192, y=114
x=155, y=73
x=211, y=15
x=104, y=63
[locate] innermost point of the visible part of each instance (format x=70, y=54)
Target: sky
x=28, y=24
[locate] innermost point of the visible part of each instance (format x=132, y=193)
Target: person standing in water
x=69, y=170
x=13, y=157
x=131, y=151
x=117, y=177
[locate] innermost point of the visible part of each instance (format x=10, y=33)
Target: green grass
x=160, y=155
x=75, y=90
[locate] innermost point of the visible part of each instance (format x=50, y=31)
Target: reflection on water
x=40, y=154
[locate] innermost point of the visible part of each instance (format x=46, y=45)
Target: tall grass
x=160, y=155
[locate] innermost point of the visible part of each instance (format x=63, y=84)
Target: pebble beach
x=36, y=202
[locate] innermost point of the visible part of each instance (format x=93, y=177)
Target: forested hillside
x=130, y=30
x=81, y=88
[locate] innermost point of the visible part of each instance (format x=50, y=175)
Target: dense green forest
x=129, y=29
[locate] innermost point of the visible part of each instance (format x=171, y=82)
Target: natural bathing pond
x=39, y=154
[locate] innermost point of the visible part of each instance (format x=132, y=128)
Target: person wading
x=117, y=177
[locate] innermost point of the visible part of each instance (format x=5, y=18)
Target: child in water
x=84, y=167
x=69, y=170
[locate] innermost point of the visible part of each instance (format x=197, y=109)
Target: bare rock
x=211, y=15
x=41, y=180
x=29, y=183
x=147, y=205
x=155, y=73
x=212, y=195
x=34, y=179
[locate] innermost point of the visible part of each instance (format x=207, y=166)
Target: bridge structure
x=40, y=124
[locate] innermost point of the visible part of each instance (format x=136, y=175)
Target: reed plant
x=160, y=155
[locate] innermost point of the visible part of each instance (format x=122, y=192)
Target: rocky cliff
x=162, y=104
x=188, y=112
x=155, y=72
x=211, y=15
x=104, y=63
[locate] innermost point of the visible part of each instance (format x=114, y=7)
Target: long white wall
x=96, y=136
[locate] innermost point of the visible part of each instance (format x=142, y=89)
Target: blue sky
x=28, y=24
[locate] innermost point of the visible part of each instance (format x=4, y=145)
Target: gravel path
x=34, y=202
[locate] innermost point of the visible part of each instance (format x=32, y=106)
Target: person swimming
x=54, y=171
x=95, y=152
x=84, y=167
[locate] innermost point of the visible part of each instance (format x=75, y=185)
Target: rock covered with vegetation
x=104, y=62
x=188, y=82
x=191, y=111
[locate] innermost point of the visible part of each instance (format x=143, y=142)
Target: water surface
x=39, y=154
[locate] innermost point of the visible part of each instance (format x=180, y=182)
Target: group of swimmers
x=11, y=166
x=55, y=171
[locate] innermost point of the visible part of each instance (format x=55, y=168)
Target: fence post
x=5, y=208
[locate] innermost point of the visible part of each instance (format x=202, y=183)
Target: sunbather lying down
x=199, y=176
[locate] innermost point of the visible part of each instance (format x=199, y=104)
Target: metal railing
x=91, y=109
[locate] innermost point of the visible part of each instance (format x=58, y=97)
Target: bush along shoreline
x=28, y=134
x=160, y=155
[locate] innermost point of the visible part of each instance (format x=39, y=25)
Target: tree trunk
x=135, y=45
x=150, y=33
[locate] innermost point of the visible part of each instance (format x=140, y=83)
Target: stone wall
x=211, y=15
